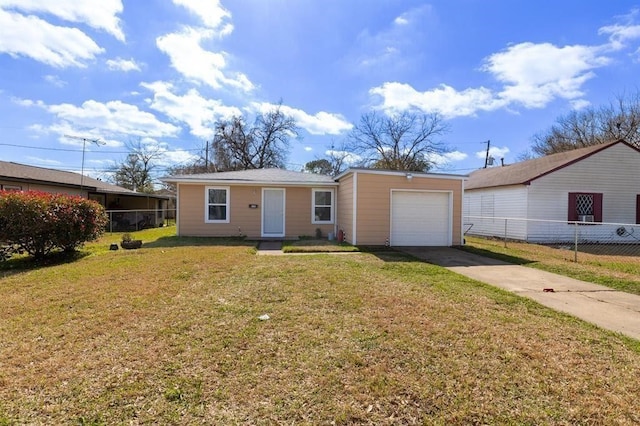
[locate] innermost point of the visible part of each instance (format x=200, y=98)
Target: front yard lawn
x=171, y=334
x=317, y=246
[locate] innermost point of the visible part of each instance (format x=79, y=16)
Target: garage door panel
x=420, y=218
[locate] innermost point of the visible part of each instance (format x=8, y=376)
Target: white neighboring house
x=599, y=183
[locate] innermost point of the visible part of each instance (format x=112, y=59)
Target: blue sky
x=163, y=71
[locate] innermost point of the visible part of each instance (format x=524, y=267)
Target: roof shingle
x=255, y=176
x=524, y=172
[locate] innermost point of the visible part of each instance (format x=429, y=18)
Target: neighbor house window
x=11, y=187
x=216, y=205
x=585, y=207
x=322, y=206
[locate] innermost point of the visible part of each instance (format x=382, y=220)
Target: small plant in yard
x=129, y=243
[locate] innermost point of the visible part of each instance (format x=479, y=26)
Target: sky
x=162, y=72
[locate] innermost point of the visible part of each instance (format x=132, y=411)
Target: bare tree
x=238, y=146
x=136, y=171
x=591, y=126
x=405, y=141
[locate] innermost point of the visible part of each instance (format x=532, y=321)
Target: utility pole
x=206, y=156
x=84, y=140
x=486, y=158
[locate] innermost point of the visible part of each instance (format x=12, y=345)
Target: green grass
x=617, y=272
x=317, y=246
x=170, y=334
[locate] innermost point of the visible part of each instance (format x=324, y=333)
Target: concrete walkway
x=607, y=308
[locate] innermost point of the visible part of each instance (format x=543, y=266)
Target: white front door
x=273, y=212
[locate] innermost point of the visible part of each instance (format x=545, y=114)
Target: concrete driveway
x=610, y=309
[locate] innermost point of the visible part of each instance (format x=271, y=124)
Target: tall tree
x=136, y=171
x=591, y=126
x=321, y=166
x=335, y=162
x=239, y=146
x=404, y=141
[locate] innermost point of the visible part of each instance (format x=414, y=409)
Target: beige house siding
x=244, y=220
x=374, y=203
x=345, y=207
x=54, y=189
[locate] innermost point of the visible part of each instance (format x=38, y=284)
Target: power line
x=79, y=150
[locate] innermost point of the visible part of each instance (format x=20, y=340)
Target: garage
x=420, y=218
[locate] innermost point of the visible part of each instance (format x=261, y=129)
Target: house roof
x=23, y=173
x=398, y=172
x=255, y=176
x=526, y=171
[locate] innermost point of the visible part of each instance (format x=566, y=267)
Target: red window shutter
x=573, y=213
x=597, y=207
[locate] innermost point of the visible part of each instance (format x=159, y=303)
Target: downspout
x=354, y=224
x=462, y=239
x=177, y=209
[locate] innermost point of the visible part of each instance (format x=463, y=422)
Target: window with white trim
x=322, y=206
x=216, y=204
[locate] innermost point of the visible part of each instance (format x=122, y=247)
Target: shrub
x=39, y=222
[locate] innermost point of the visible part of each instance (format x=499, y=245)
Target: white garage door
x=420, y=218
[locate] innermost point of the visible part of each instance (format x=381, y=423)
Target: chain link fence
x=607, y=239
x=136, y=220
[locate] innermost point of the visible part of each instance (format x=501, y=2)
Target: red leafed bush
x=39, y=222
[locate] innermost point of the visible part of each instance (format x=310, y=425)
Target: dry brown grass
x=171, y=335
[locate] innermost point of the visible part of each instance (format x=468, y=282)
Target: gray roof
x=24, y=173
x=526, y=171
x=270, y=176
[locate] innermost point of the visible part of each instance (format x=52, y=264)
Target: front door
x=273, y=212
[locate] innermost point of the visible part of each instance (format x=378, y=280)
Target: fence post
x=575, y=242
x=505, y=233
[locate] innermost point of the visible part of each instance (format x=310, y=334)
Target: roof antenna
x=84, y=145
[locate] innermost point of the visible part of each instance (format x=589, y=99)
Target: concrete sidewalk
x=603, y=306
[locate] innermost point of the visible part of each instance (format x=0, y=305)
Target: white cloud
x=393, y=46
x=623, y=31
x=308, y=148
x=350, y=158
x=444, y=159
x=103, y=120
x=210, y=12
x=198, y=113
x=191, y=60
x=35, y=38
x=531, y=75
x=166, y=156
x=322, y=123
x=44, y=161
x=120, y=64
x=494, y=151
x=444, y=100
x=100, y=14
x=54, y=80
x=536, y=74
x=580, y=103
